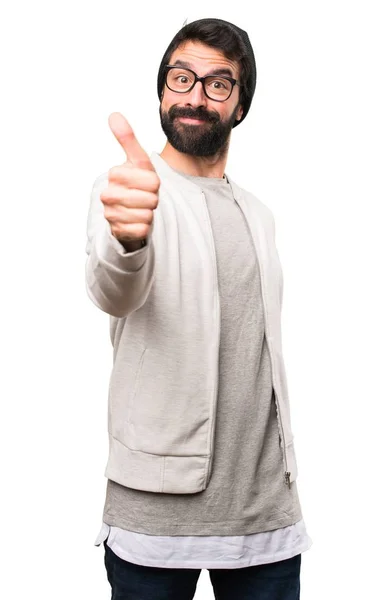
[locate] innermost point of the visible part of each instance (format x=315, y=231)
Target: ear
x=163, y=91
x=239, y=113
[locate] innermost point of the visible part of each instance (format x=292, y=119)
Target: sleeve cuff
x=111, y=251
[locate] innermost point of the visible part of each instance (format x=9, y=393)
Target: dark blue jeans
x=272, y=581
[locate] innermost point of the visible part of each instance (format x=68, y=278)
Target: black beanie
x=251, y=80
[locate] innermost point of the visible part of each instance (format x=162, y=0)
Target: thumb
x=123, y=132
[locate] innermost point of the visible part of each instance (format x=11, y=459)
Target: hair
x=229, y=39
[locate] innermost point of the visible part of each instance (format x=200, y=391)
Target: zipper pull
x=287, y=477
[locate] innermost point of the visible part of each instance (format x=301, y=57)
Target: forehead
x=203, y=59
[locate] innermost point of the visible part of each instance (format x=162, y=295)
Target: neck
x=200, y=166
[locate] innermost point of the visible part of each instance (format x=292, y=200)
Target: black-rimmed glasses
x=215, y=87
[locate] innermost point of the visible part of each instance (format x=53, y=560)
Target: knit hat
x=248, y=89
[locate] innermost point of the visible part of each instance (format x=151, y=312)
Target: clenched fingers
x=132, y=177
x=118, y=215
x=129, y=197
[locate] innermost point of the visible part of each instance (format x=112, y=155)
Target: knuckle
x=120, y=230
x=105, y=196
x=156, y=182
x=113, y=173
x=112, y=194
x=149, y=215
x=143, y=229
x=108, y=214
x=141, y=163
x=108, y=197
x=119, y=173
x=154, y=202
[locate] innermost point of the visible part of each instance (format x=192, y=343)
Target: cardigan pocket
x=124, y=380
x=170, y=409
x=137, y=379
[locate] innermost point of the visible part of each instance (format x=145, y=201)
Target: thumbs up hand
x=132, y=192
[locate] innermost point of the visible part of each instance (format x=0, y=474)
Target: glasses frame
x=202, y=80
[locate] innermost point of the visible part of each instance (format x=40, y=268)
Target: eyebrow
x=221, y=71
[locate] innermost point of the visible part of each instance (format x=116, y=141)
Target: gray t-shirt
x=247, y=492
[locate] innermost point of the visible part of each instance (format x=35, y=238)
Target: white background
x=311, y=148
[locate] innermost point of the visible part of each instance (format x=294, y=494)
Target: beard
x=210, y=138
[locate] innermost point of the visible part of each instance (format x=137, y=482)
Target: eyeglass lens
x=181, y=80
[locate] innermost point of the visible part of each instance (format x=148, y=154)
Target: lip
x=191, y=120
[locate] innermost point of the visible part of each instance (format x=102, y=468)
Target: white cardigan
x=165, y=326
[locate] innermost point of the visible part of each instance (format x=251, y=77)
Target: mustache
x=191, y=113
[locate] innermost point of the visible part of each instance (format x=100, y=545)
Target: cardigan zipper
x=287, y=473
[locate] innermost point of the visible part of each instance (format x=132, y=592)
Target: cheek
x=165, y=104
x=224, y=113
x=169, y=98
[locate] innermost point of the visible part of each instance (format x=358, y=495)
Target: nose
x=196, y=97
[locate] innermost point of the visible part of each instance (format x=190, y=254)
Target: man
x=201, y=470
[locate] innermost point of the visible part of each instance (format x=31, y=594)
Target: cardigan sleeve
x=118, y=282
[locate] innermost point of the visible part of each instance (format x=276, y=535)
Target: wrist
x=133, y=245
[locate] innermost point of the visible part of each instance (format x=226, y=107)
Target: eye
x=219, y=84
x=182, y=76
